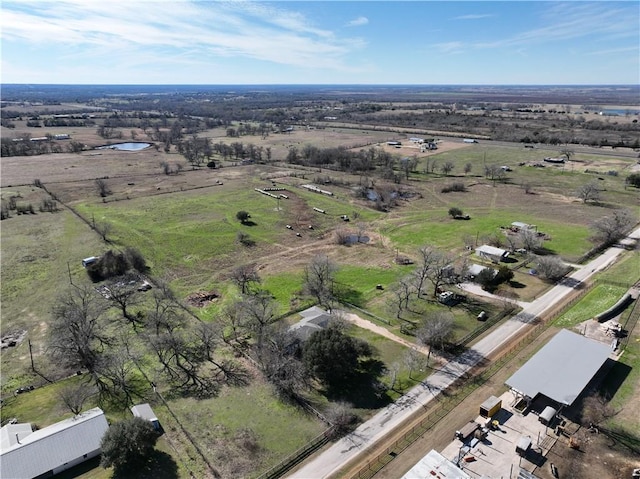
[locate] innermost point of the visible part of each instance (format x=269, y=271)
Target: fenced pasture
x=185, y=226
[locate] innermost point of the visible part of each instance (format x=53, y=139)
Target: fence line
x=298, y=456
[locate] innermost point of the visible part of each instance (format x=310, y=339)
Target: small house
x=313, y=319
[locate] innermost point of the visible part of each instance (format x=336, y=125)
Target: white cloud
x=357, y=22
x=219, y=29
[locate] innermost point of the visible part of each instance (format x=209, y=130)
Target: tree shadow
x=614, y=379
x=344, y=294
x=160, y=466
x=517, y=284
x=249, y=223
x=363, y=389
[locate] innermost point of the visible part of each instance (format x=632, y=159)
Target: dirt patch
x=201, y=299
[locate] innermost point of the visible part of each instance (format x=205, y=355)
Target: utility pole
x=33, y=368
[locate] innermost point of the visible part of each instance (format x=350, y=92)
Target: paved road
x=346, y=449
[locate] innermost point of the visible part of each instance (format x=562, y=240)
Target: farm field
x=185, y=225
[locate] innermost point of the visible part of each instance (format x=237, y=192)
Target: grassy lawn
x=279, y=428
x=599, y=299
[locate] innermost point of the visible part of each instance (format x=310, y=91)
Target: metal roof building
x=53, y=449
x=561, y=369
x=435, y=465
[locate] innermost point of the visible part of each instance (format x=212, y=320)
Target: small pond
x=125, y=146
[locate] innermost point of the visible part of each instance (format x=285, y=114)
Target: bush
x=454, y=212
x=457, y=186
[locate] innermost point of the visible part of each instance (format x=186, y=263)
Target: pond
x=125, y=146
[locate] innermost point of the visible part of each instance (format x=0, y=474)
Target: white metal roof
x=54, y=446
x=562, y=368
x=492, y=250
x=144, y=411
x=435, y=465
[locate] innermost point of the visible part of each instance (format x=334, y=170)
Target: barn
x=561, y=370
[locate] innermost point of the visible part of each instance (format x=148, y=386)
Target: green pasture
x=280, y=428
x=435, y=227
x=626, y=270
x=599, y=299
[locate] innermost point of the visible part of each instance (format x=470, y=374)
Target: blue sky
x=322, y=42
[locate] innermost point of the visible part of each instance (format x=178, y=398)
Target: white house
x=52, y=449
x=492, y=253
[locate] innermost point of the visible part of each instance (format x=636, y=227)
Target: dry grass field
x=185, y=227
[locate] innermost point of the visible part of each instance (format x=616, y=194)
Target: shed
x=546, y=417
x=523, y=445
x=492, y=253
x=144, y=411
x=490, y=407
x=90, y=260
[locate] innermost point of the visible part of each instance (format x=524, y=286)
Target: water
x=125, y=146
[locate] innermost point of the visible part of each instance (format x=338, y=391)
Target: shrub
x=457, y=186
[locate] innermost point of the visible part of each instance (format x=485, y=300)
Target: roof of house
x=562, y=368
x=13, y=433
x=313, y=319
x=53, y=446
x=144, y=411
x=476, y=269
x=434, y=465
x=491, y=250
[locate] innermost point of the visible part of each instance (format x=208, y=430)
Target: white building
x=53, y=449
x=492, y=253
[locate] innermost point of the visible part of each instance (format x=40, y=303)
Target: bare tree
x=103, y=229
x=279, y=362
x=341, y=416
x=609, y=229
x=494, y=172
x=74, y=396
x=447, y=167
x=435, y=267
x=551, y=267
x=123, y=294
x=589, y=192
x=245, y=276
x=529, y=239
x=467, y=168
x=436, y=330
x=414, y=359
x=77, y=331
x=567, y=153
x=102, y=187
x=319, y=279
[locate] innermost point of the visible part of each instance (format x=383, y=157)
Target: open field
x=186, y=228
